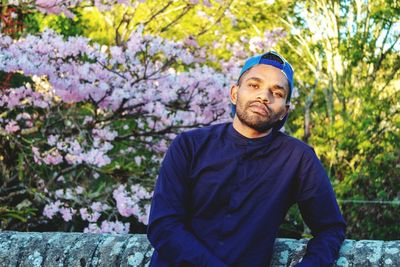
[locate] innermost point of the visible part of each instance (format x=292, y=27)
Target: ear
x=233, y=94
x=287, y=108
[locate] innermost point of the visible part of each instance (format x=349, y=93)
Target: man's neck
x=246, y=130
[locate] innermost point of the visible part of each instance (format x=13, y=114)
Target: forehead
x=267, y=74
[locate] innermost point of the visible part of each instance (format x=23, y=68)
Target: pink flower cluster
x=96, y=209
x=24, y=97
x=91, y=214
x=50, y=210
x=116, y=227
x=259, y=44
x=136, y=81
x=65, y=6
x=73, y=153
x=128, y=203
x=119, y=79
x=12, y=127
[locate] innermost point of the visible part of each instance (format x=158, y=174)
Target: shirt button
x=221, y=243
x=228, y=215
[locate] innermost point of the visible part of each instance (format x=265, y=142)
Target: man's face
x=260, y=98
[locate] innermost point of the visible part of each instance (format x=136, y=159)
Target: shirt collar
x=243, y=140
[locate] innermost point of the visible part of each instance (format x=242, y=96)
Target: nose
x=264, y=97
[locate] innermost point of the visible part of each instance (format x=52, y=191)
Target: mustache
x=261, y=102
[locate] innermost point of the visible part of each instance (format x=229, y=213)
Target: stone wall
x=78, y=249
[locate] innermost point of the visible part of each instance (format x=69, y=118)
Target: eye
x=253, y=85
x=278, y=94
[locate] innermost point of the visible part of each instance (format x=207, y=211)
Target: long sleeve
x=321, y=213
x=168, y=232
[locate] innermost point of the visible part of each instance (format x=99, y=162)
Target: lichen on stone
x=284, y=255
x=376, y=252
x=36, y=259
x=388, y=261
x=117, y=248
x=149, y=253
x=392, y=250
x=295, y=246
x=342, y=262
x=136, y=259
x=346, y=247
x=61, y=249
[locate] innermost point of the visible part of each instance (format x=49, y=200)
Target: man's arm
x=320, y=211
x=167, y=230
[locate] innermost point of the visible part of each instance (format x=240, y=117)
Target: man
x=223, y=190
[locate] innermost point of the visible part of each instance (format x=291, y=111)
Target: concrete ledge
x=79, y=249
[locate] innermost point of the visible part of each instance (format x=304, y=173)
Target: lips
x=259, y=108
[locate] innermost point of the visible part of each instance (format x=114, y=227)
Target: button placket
x=242, y=177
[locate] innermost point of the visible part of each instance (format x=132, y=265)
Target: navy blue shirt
x=220, y=198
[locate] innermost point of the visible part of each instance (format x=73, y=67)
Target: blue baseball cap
x=274, y=59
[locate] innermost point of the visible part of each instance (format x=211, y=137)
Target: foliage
x=350, y=65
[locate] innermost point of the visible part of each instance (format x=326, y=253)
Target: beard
x=258, y=122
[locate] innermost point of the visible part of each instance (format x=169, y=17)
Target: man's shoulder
x=205, y=132
x=293, y=143
x=194, y=139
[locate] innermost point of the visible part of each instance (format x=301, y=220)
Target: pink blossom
x=51, y=209
x=190, y=41
x=66, y=213
x=79, y=190
x=53, y=158
x=140, y=192
x=84, y=213
x=52, y=140
x=90, y=217
x=59, y=193
x=207, y=3
x=24, y=116
x=115, y=227
x=93, y=217
x=92, y=228
x=12, y=127
x=98, y=206
x=128, y=203
x=72, y=159
x=29, y=124
x=105, y=134
x=87, y=120
x=97, y=158
x=108, y=227
x=138, y=160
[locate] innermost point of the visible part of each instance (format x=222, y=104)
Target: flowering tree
x=88, y=126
